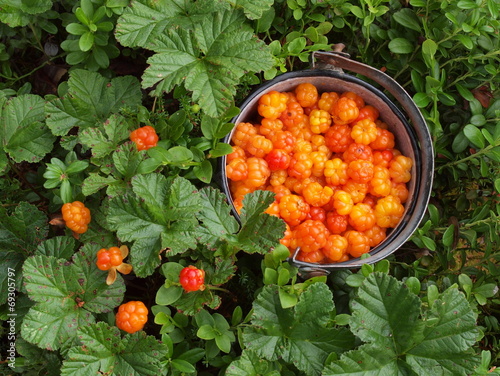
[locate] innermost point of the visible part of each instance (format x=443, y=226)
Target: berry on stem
x=144, y=137
x=192, y=279
x=132, y=316
x=77, y=216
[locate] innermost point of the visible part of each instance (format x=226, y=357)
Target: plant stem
x=472, y=156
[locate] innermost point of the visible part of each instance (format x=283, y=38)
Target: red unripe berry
x=192, y=278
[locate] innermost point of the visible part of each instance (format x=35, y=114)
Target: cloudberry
x=319, y=121
x=131, y=316
x=381, y=183
x=272, y=104
x=344, y=111
x=259, y=146
x=364, y=132
x=357, y=190
x=400, y=191
x=283, y=140
x=243, y=133
x=258, y=172
x=400, y=169
x=269, y=127
x=293, y=115
x=336, y=223
x=388, y=211
x=107, y=258
x=362, y=217
x=384, y=140
x=335, y=247
x=317, y=213
x=76, y=216
x=336, y=171
x=237, y=169
x=338, y=138
x=192, y=279
x=368, y=112
x=287, y=236
x=238, y=152
x=144, y=137
x=376, y=235
x=310, y=235
x=317, y=195
x=319, y=160
x=360, y=102
x=357, y=243
x=342, y=202
x=360, y=171
x=327, y=100
x=382, y=158
x=300, y=166
x=307, y=94
x=293, y=209
x=313, y=257
x=358, y=151
x=278, y=177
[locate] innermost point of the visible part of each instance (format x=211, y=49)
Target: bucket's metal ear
x=306, y=272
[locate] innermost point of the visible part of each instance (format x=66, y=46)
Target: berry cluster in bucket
x=339, y=181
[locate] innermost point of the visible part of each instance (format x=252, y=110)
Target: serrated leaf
x=103, y=140
x=51, y=326
x=259, y=231
x=10, y=267
x=142, y=22
x=104, y=351
x=127, y=159
x=253, y=9
x=94, y=182
x=250, y=364
x=90, y=100
x=24, y=136
x=378, y=309
x=59, y=247
x=230, y=50
x=24, y=229
x=215, y=213
x=297, y=335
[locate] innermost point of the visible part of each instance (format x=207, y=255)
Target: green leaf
x=10, y=273
x=127, y=159
x=105, y=138
x=94, y=182
x=24, y=230
x=230, y=51
x=59, y=247
x=52, y=326
x=86, y=41
x=250, y=364
x=408, y=19
x=103, y=351
x=168, y=295
x=90, y=100
x=377, y=313
x=182, y=366
x=401, y=46
x=298, y=335
x=142, y=22
x=204, y=171
x=215, y=213
x=474, y=135
x=259, y=231
x=24, y=135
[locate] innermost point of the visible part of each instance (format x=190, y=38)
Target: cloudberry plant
x=192, y=279
x=144, y=137
x=307, y=94
x=272, y=104
x=76, y=216
x=132, y=316
x=293, y=209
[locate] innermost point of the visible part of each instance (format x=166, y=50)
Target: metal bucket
x=407, y=124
